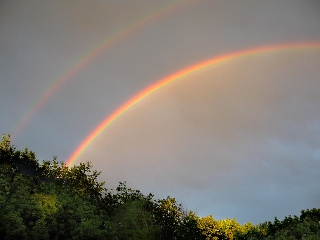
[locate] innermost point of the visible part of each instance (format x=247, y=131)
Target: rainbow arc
x=174, y=77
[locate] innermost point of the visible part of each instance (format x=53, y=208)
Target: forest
x=49, y=200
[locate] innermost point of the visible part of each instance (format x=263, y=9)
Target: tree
x=133, y=221
x=52, y=201
x=66, y=208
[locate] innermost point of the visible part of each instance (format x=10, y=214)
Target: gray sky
x=236, y=139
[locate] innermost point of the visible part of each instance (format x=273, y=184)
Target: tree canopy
x=49, y=200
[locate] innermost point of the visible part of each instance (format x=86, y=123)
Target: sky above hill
x=234, y=133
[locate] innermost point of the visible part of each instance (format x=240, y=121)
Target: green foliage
x=66, y=208
x=307, y=226
x=190, y=228
x=53, y=201
x=16, y=160
x=131, y=213
x=168, y=215
x=133, y=221
x=174, y=221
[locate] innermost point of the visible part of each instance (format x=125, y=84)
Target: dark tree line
x=49, y=200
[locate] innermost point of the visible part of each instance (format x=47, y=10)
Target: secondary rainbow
x=174, y=77
x=91, y=55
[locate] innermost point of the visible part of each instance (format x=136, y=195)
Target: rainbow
x=91, y=55
x=174, y=77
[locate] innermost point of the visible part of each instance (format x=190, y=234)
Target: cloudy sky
x=238, y=138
